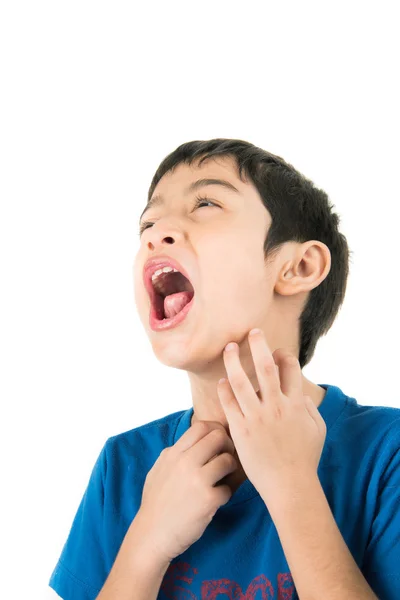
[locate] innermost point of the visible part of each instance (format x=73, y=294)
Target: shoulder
x=136, y=450
x=161, y=430
x=369, y=436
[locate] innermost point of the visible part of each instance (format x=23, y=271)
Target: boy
x=269, y=481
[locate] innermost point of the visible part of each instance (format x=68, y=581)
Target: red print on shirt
x=180, y=576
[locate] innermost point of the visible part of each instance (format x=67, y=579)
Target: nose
x=163, y=233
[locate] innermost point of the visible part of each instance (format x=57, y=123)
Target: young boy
x=269, y=484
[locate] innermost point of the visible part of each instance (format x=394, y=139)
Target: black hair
x=299, y=212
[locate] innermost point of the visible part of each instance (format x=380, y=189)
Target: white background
x=93, y=96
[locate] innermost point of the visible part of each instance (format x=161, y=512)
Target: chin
x=172, y=354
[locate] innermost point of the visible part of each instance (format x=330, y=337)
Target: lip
x=159, y=262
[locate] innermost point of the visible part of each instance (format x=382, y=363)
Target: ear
x=308, y=265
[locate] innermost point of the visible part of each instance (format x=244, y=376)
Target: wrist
x=145, y=549
x=286, y=491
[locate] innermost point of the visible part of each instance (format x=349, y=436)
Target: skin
x=235, y=289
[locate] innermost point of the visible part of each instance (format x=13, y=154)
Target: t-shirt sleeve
x=80, y=572
x=381, y=565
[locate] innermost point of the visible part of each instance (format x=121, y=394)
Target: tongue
x=174, y=303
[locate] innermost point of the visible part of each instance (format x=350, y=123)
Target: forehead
x=179, y=184
x=223, y=167
x=185, y=179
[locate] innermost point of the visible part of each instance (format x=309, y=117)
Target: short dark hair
x=299, y=211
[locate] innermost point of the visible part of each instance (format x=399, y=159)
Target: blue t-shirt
x=239, y=554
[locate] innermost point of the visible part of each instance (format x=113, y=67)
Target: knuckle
x=231, y=461
x=209, y=497
x=237, y=381
x=298, y=400
x=268, y=366
x=218, y=434
x=203, y=427
x=291, y=360
x=278, y=412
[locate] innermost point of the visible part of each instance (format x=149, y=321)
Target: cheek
x=230, y=278
x=136, y=284
x=142, y=299
x=234, y=294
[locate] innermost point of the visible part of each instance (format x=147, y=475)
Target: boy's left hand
x=278, y=432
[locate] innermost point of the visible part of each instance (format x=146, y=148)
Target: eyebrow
x=195, y=185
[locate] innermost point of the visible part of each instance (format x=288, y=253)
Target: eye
x=199, y=200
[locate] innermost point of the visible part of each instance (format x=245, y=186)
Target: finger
x=228, y=400
x=240, y=383
x=290, y=374
x=316, y=415
x=266, y=370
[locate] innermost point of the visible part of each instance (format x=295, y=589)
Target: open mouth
x=171, y=293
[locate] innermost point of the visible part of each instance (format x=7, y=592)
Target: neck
x=207, y=406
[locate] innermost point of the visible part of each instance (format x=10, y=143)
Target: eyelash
x=199, y=200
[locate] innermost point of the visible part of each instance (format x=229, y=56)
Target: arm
x=318, y=557
x=138, y=571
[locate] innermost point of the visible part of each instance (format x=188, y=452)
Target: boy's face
x=221, y=248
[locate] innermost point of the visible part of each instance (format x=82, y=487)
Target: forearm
x=137, y=572
x=319, y=560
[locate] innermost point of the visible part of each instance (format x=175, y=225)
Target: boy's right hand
x=179, y=496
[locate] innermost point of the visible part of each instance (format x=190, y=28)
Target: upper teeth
x=163, y=270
